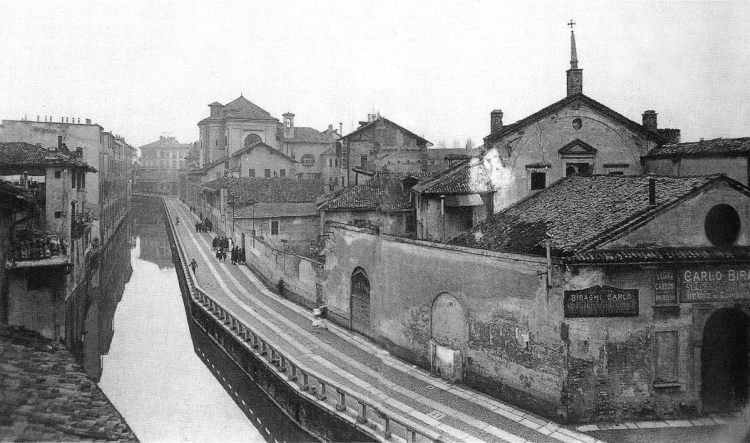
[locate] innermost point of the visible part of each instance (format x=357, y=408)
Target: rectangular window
x=58, y=214
x=251, y=172
x=665, y=370
x=363, y=160
x=274, y=227
x=282, y=172
x=72, y=179
x=267, y=173
x=538, y=180
x=58, y=174
x=578, y=168
x=39, y=281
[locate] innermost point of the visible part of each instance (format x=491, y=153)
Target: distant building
x=240, y=124
x=51, y=245
x=160, y=166
x=281, y=212
x=380, y=145
x=385, y=202
x=730, y=156
x=574, y=135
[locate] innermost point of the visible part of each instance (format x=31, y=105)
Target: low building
x=600, y=298
x=52, y=243
x=381, y=145
x=730, y=156
x=161, y=164
x=453, y=201
x=384, y=202
x=281, y=212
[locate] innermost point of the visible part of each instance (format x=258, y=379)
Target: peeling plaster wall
x=541, y=141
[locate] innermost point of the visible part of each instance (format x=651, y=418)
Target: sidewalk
x=350, y=360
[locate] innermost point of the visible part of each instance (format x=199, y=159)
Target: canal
x=163, y=374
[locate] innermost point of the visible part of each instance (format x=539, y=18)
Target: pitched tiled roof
x=579, y=212
x=468, y=177
x=268, y=190
x=641, y=255
x=26, y=154
x=242, y=108
x=244, y=150
x=441, y=154
x=372, y=123
x=589, y=102
x=384, y=191
x=703, y=148
x=310, y=135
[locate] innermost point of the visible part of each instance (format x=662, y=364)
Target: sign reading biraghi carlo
x=601, y=301
x=706, y=284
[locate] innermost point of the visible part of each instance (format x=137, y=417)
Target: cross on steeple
x=571, y=24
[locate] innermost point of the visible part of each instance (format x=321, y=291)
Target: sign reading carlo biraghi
x=707, y=284
x=601, y=301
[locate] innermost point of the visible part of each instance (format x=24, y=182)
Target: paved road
x=353, y=362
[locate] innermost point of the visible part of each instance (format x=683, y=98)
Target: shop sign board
x=714, y=284
x=601, y=301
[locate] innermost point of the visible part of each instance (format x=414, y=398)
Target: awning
x=464, y=200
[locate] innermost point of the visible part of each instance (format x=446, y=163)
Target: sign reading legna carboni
x=601, y=301
x=714, y=284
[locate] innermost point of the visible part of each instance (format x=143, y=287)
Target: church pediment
x=577, y=148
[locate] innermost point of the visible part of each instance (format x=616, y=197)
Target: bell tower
x=575, y=75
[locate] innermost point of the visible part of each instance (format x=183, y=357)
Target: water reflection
x=151, y=373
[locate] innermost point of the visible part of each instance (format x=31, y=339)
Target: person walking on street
x=193, y=265
x=215, y=243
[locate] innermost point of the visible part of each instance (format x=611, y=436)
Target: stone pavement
x=351, y=361
x=46, y=396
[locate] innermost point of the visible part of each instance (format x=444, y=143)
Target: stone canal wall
x=327, y=412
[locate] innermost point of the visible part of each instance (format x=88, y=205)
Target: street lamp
x=252, y=203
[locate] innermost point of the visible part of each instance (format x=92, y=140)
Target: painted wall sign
x=707, y=284
x=665, y=287
x=601, y=301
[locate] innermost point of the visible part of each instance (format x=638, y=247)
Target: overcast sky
x=145, y=68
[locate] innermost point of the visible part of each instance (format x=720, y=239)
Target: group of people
x=223, y=244
x=204, y=226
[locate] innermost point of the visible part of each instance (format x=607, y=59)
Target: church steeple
x=575, y=75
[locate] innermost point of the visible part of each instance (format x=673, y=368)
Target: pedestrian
x=230, y=243
x=234, y=256
x=225, y=243
x=193, y=265
x=242, y=256
x=223, y=255
x=197, y=227
x=215, y=243
x=318, y=320
x=218, y=253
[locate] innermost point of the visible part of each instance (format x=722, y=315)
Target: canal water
x=153, y=364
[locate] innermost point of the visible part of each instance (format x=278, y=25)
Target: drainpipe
x=442, y=215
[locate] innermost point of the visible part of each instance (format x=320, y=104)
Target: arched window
x=360, y=302
x=252, y=139
x=307, y=160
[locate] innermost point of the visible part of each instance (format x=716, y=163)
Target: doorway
x=724, y=362
x=360, y=302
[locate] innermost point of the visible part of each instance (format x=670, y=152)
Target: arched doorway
x=251, y=140
x=724, y=365
x=449, y=333
x=360, y=302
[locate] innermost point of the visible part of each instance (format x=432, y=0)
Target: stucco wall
x=261, y=159
x=540, y=142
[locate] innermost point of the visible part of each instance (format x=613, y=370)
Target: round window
x=577, y=123
x=722, y=225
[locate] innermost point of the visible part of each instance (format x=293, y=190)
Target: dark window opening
x=307, y=160
x=722, y=225
x=58, y=214
x=38, y=281
x=274, y=227
x=267, y=173
x=363, y=160
x=538, y=180
x=58, y=174
x=578, y=168
x=282, y=172
x=251, y=172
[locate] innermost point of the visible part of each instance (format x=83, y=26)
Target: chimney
x=79, y=120
x=496, y=121
x=88, y=121
x=341, y=128
x=288, y=125
x=37, y=118
x=671, y=136
x=215, y=108
x=649, y=120
x=651, y=191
